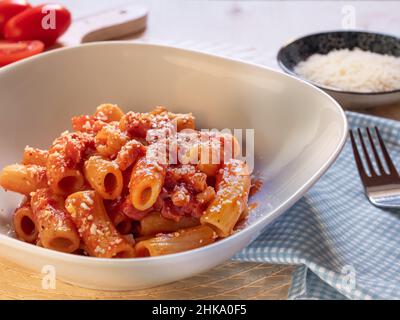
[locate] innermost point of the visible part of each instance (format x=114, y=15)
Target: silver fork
x=381, y=188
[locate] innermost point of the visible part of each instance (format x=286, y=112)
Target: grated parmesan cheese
x=93, y=229
x=88, y=199
x=99, y=249
x=84, y=206
x=352, y=70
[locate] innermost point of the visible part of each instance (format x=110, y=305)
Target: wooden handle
x=112, y=24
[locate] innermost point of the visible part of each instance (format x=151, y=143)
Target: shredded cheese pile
x=352, y=70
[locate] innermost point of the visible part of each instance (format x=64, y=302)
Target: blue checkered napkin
x=344, y=246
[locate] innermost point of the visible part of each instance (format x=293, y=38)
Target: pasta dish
x=123, y=185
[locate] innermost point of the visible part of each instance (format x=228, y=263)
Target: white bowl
x=299, y=131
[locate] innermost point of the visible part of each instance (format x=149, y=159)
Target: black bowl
x=299, y=50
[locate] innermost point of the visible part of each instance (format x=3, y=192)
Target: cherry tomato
x=13, y=51
x=9, y=9
x=45, y=23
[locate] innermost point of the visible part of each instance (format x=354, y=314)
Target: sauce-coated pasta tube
x=146, y=181
x=104, y=176
x=183, y=120
x=233, y=186
x=65, y=181
x=213, y=150
x=129, y=154
x=138, y=124
x=56, y=229
x=97, y=231
x=182, y=240
x=23, y=179
x=35, y=156
x=62, y=163
x=108, y=112
x=121, y=222
x=109, y=141
x=25, y=224
x=154, y=223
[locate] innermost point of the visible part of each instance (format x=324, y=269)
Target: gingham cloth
x=344, y=246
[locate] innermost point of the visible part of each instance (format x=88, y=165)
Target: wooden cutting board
x=230, y=280
x=108, y=25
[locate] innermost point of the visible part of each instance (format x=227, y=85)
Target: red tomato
x=14, y=51
x=45, y=23
x=10, y=8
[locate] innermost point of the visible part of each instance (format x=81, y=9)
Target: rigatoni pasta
x=35, y=156
x=122, y=223
x=23, y=179
x=233, y=187
x=63, y=162
x=108, y=112
x=182, y=240
x=109, y=140
x=56, y=229
x=154, y=223
x=96, y=230
x=25, y=224
x=128, y=185
x=104, y=176
x=146, y=182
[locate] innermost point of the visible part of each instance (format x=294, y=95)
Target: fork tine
x=377, y=159
x=357, y=157
x=392, y=168
x=366, y=155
